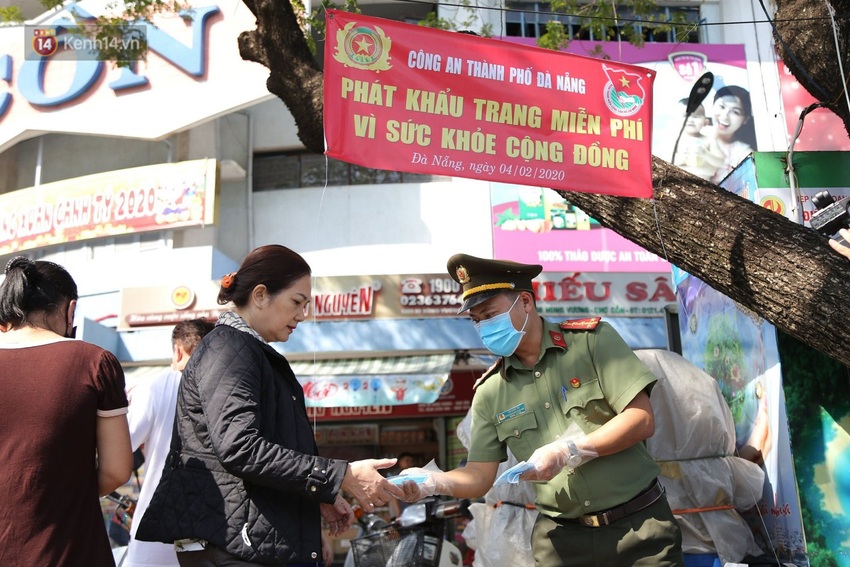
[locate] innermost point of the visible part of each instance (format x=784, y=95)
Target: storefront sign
x=140, y=199
x=170, y=318
x=603, y=294
x=372, y=390
x=168, y=305
x=455, y=399
x=358, y=382
x=197, y=56
x=814, y=172
x=418, y=296
x=537, y=226
x=411, y=98
x=822, y=129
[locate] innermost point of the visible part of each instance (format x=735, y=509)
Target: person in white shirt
x=151, y=420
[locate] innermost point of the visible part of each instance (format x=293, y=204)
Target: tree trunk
x=805, y=40
x=776, y=268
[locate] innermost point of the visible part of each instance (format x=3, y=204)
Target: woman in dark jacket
x=243, y=484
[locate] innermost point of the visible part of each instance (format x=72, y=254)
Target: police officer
x=572, y=400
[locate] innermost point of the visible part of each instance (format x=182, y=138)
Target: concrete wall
x=378, y=229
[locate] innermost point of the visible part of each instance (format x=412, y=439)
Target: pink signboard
x=535, y=225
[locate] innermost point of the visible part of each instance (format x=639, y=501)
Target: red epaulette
x=497, y=366
x=588, y=324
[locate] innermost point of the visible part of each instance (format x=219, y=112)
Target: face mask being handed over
x=499, y=335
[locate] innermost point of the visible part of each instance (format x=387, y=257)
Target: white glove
x=570, y=450
x=434, y=482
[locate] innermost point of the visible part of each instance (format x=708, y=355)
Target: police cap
x=482, y=279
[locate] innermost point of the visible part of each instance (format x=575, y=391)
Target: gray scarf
x=231, y=319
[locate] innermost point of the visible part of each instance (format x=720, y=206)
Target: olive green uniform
x=584, y=377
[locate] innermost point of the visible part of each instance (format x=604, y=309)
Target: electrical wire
x=636, y=20
x=789, y=167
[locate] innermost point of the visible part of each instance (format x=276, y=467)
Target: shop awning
x=382, y=381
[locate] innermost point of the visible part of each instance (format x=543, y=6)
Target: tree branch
x=782, y=271
x=294, y=76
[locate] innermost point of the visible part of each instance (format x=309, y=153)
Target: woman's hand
x=339, y=515
x=364, y=482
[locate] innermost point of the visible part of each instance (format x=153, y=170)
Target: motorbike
x=417, y=538
x=119, y=524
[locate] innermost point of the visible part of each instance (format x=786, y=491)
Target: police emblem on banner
x=363, y=47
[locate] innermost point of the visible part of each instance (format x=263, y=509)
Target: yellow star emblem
x=624, y=82
x=363, y=45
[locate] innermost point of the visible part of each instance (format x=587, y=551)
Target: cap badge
x=462, y=275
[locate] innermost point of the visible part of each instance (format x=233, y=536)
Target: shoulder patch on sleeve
x=495, y=369
x=588, y=324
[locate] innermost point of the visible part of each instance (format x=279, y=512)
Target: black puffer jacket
x=243, y=472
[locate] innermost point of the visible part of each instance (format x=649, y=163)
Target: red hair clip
x=227, y=280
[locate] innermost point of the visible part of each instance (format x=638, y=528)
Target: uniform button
x=312, y=489
x=537, y=374
x=587, y=502
x=314, y=555
x=323, y=471
x=546, y=405
x=516, y=432
x=293, y=398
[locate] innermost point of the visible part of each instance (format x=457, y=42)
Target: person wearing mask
x=151, y=420
x=243, y=483
x=571, y=402
x=63, y=433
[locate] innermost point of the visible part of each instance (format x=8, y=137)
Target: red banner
x=409, y=98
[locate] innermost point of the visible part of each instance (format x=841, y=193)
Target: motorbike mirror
x=413, y=515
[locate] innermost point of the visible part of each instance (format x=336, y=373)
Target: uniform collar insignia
x=557, y=339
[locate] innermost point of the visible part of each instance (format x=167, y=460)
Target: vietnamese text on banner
x=409, y=98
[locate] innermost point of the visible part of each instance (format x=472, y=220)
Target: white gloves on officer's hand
x=570, y=450
x=435, y=482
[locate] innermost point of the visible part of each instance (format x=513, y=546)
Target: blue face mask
x=499, y=335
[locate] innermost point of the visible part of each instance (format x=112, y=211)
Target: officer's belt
x=611, y=515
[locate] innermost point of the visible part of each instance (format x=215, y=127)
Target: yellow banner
x=140, y=199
